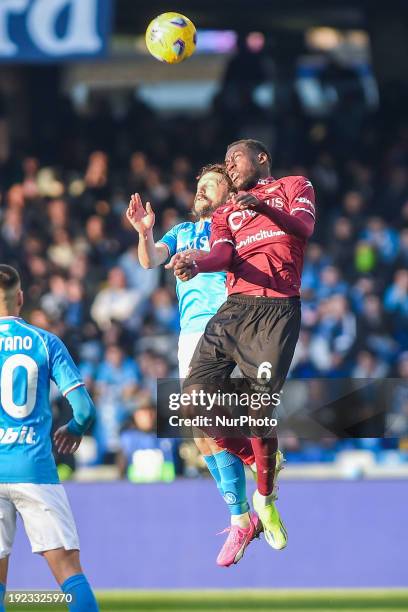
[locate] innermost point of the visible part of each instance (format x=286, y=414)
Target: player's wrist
x=75, y=428
x=261, y=202
x=195, y=268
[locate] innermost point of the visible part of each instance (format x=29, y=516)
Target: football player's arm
x=299, y=221
x=151, y=254
x=142, y=220
x=68, y=437
x=83, y=410
x=300, y=225
x=218, y=259
x=66, y=376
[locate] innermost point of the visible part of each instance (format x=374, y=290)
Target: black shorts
x=257, y=334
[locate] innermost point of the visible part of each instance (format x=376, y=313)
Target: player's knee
x=63, y=563
x=203, y=445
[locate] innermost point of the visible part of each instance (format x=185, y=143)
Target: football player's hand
x=187, y=254
x=245, y=200
x=138, y=217
x=185, y=268
x=65, y=442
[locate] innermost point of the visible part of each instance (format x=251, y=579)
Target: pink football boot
x=237, y=541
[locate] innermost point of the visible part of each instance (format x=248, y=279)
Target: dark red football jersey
x=267, y=260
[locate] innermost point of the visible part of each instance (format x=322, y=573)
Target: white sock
x=242, y=520
x=265, y=500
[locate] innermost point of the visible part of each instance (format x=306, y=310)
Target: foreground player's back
x=29, y=358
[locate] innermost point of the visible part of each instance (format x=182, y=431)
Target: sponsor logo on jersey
x=198, y=242
x=275, y=202
x=236, y=219
x=305, y=201
x=19, y=435
x=261, y=235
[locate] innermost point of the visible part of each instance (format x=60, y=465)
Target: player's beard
x=205, y=210
x=250, y=178
x=249, y=181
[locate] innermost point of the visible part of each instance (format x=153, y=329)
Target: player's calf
x=66, y=567
x=264, y=504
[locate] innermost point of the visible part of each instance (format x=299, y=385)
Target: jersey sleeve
x=220, y=230
x=63, y=370
x=170, y=240
x=302, y=197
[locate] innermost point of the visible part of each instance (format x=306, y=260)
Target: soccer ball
x=171, y=38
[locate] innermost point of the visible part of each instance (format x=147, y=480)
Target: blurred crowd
x=63, y=226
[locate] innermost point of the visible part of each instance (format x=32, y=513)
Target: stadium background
x=326, y=90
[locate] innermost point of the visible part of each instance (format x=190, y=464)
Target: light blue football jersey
x=199, y=298
x=29, y=358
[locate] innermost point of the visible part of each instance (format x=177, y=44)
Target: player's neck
x=8, y=313
x=264, y=174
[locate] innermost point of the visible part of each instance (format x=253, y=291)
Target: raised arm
x=150, y=254
x=300, y=219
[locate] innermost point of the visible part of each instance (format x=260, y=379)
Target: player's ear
x=263, y=158
x=20, y=298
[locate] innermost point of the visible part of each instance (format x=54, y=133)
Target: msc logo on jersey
x=198, y=242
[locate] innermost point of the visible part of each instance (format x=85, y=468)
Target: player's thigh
x=63, y=563
x=206, y=445
x=186, y=346
x=265, y=349
x=47, y=516
x=7, y=523
x=212, y=360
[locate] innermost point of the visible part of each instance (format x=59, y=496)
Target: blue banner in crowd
x=54, y=30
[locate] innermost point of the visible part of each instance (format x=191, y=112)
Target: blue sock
x=2, y=594
x=233, y=481
x=214, y=471
x=83, y=599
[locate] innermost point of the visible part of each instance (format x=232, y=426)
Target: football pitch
x=243, y=601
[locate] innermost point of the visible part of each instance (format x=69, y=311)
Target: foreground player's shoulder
x=301, y=195
x=222, y=212
x=52, y=343
x=186, y=226
x=176, y=229
x=37, y=335
x=298, y=181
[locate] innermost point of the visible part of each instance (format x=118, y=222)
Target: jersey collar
x=202, y=222
x=9, y=317
x=266, y=181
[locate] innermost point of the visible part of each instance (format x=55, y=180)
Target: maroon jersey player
x=259, y=237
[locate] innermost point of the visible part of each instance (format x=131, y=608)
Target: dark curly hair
x=253, y=145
